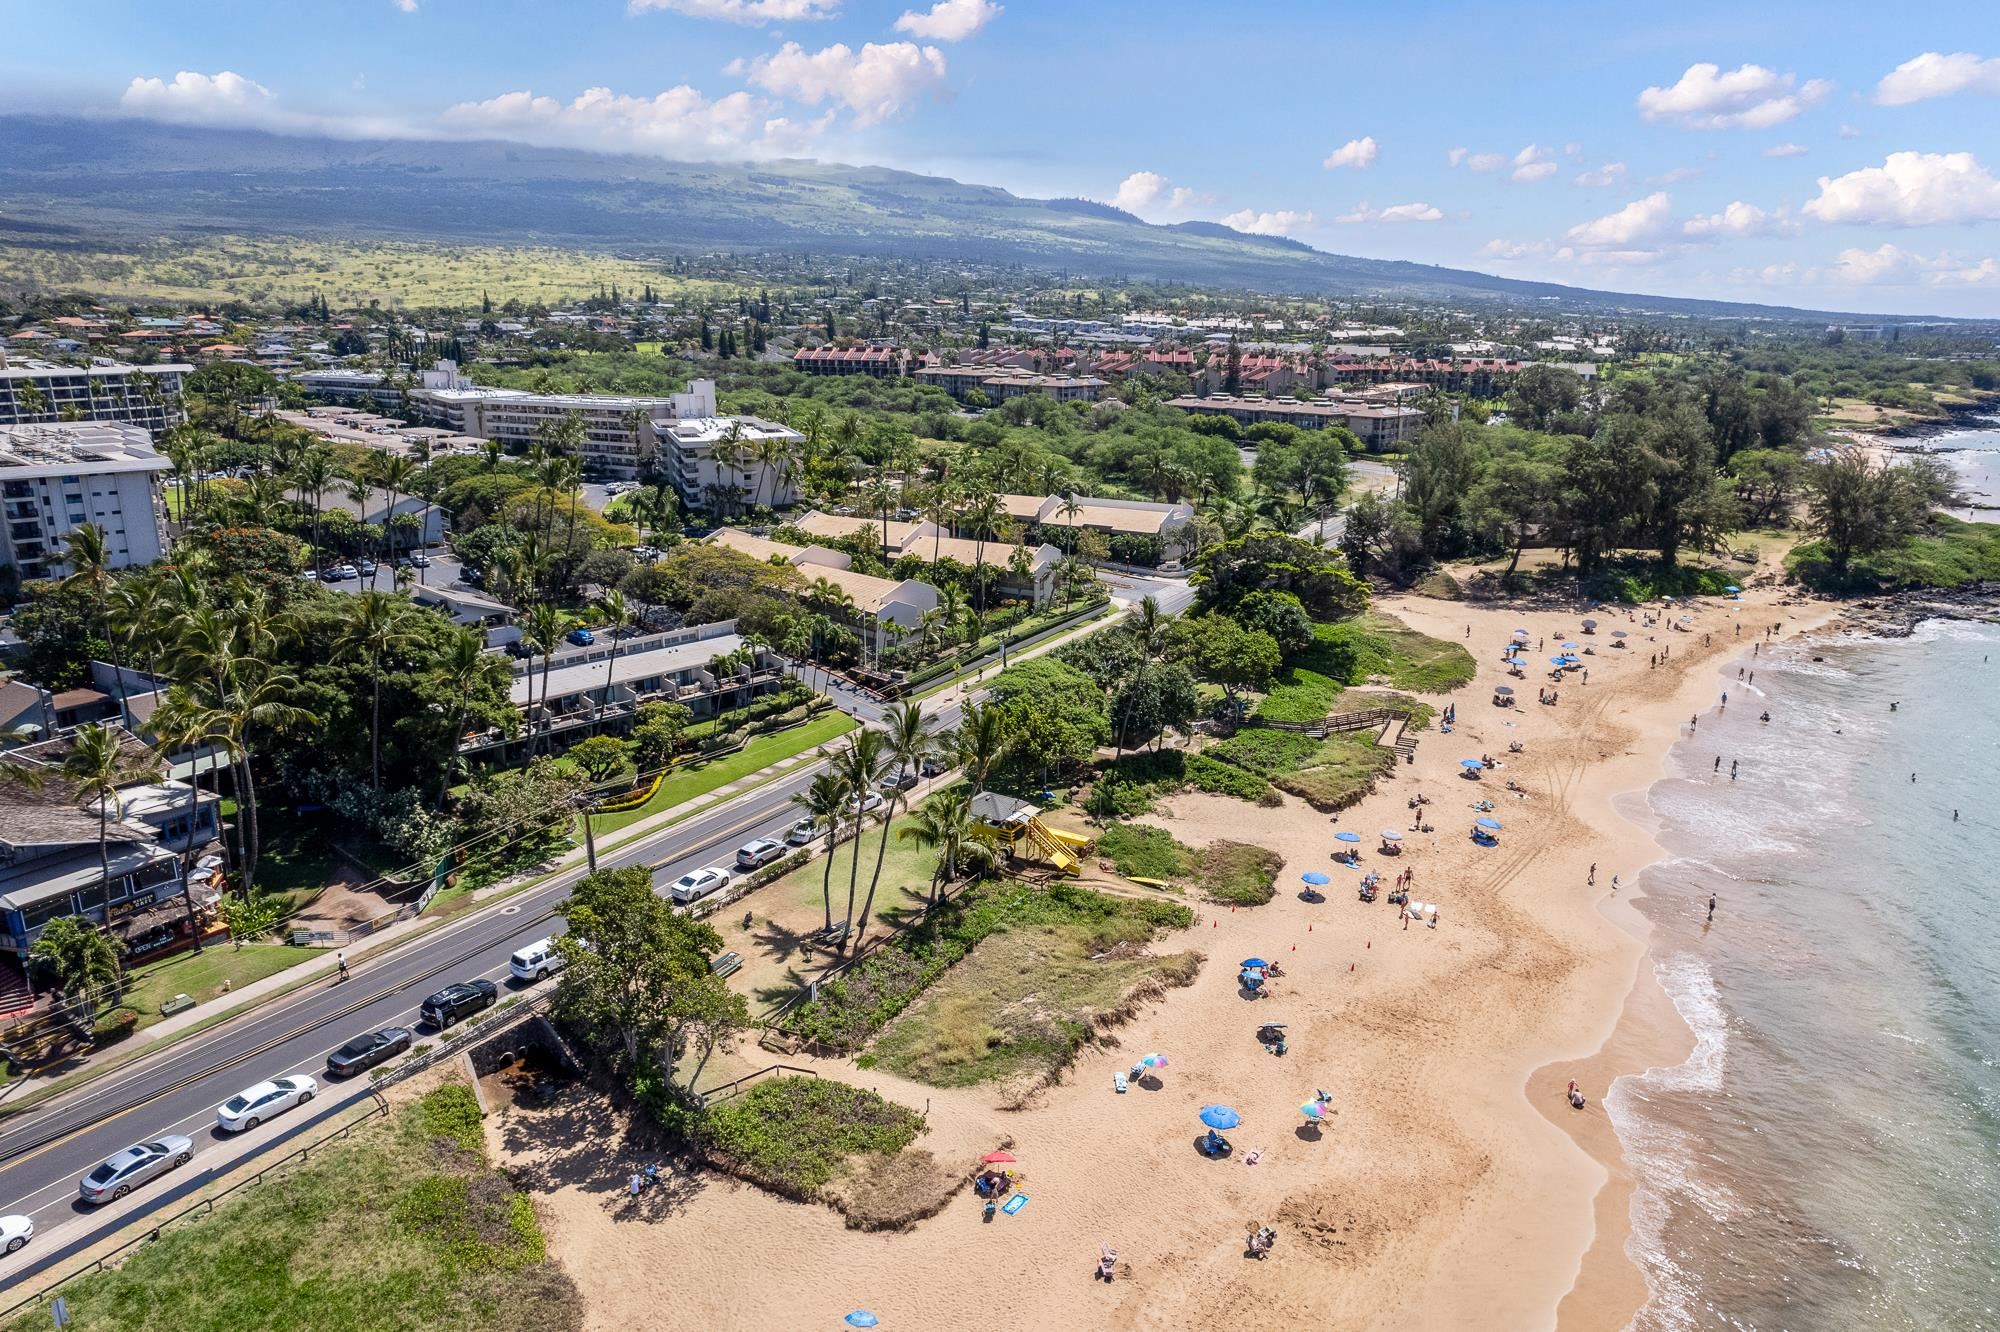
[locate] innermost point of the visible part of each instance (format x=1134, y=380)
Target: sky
x=1831, y=155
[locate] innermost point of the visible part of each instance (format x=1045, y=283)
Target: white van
x=537, y=960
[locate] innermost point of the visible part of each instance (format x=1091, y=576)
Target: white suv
x=760, y=852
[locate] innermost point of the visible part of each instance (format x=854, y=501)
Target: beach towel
x=1015, y=1204
x=1118, y=1081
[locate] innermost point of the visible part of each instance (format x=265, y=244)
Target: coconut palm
x=377, y=625
x=141, y=612
x=909, y=742
x=617, y=619
x=825, y=802
x=859, y=764
x=985, y=516
x=98, y=765
x=945, y=824
x=312, y=476
x=183, y=724
x=981, y=741
x=255, y=696
x=546, y=626
x=463, y=666
x=89, y=561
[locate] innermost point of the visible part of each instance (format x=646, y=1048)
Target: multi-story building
x=55, y=478
x=724, y=462
x=352, y=386
x=1023, y=571
x=1000, y=384
x=873, y=604
x=1380, y=426
x=876, y=362
x=104, y=390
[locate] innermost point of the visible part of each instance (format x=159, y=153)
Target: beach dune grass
x=402, y=1228
x=795, y=1135
x=1235, y=873
x=1353, y=652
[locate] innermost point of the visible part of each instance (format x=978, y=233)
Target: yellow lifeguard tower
x=1018, y=827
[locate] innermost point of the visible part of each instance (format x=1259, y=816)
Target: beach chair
x=1118, y=1082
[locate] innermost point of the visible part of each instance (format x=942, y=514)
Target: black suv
x=458, y=1001
x=364, y=1052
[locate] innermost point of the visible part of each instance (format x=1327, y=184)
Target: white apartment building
x=104, y=390
x=714, y=459
x=351, y=386
x=56, y=477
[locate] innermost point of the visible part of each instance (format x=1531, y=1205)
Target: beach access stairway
x=1057, y=848
x=1367, y=719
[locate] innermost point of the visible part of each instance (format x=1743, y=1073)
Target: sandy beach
x=1454, y=1189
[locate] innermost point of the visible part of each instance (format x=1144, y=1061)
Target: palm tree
x=546, y=626
x=945, y=824
x=908, y=743
x=181, y=724
x=377, y=625
x=464, y=664
x=1070, y=508
x=982, y=740
x=256, y=696
x=89, y=561
x=617, y=618
x=98, y=764
x=140, y=611
x=881, y=499
x=986, y=515
x=394, y=473
x=860, y=764
x=825, y=802
x=312, y=477
x=1148, y=627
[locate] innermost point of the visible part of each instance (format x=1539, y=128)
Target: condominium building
x=1006, y=382
x=54, y=478
x=875, y=362
x=104, y=390
x=725, y=461
x=1380, y=426
x=876, y=603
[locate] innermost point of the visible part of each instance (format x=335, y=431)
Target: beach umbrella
x=1590, y=624
x=1491, y=825
x=1255, y=963
x=1522, y=634
x=1558, y=661
x=861, y=1318
x=1619, y=633
x=1668, y=600
x=1313, y=877
x=1732, y=588
x=1220, y=1117
x=1154, y=1061
x=1346, y=837
x=1391, y=835
x=1474, y=764
x=1315, y=1110
x=1569, y=647
x=1503, y=690
x=998, y=1158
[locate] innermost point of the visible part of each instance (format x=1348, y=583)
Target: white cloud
x=877, y=82
x=1472, y=161
x=1283, y=222
x=679, y=122
x=1149, y=192
x=1910, y=190
x=1747, y=97
x=407, y=6
x=1934, y=75
x=1738, y=219
x=752, y=12
x=1357, y=153
x=1848, y=131
x=1533, y=163
x=1639, y=220
x=1507, y=250
x=1597, y=178
x=1786, y=150
x=1887, y=265
x=230, y=100
x=1409, y=212
x=949, y=20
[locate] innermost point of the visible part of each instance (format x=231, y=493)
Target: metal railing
x=734, y=1087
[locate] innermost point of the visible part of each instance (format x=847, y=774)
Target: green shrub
x=452, y=1111
x=794, y=1134
x=1266, y=752
x=114, y=1026
x=1144, y=853
x=1238, y=874
x=1219, y=778
x=1956, y=554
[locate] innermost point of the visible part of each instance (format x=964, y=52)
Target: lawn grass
x=295, y=855
x=700, y=779
x=1023, y=1002
x=403, y=1227
x=906, y=872
x=200, y=975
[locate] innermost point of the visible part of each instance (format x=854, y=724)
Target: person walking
x=1591, y=882
x=1718, y=764
x=1711, y=906
x=1732, y=770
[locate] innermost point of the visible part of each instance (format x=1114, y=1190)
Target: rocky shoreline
x=1897, y=615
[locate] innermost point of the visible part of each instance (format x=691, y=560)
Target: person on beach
x=1591, y=882
x=1711, y=906
x=1732, y=770
x=1753, y=677
x=1614, y=883
x=1694, y=722
x=1718, y=764
x=1954, y=816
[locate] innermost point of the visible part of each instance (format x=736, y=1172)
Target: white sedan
x=15, y=1231
x=699, y=883
x=253, y=1105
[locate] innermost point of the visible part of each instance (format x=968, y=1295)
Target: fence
x=204, y=1208
x=735, y=1087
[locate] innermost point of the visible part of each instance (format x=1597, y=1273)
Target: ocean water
x=1829, y=1155
x=1974, y=458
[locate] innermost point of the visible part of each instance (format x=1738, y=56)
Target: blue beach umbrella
x=1313, y=877
x=1474, y=764
x=1558, y=661
x=1256, y=962
x=861, y=1318
x=1732, y=588
x=1220, y=1117
x=1569, y=647
x=1491, y=825
x=1347, y=837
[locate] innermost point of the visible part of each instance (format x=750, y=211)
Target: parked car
x=901, y=779
x=537, y=960
x=253, y=1105
x=420, y=560
x=699, y=883
x=364, y=1052
x=760, y=852
x=459, y=1001
x=117, y=1175
x=931, y=766
x=802, y=832
x=867, y=804
x=580, y=636
x=366, y=568
x=16, y=1231
x=340, y=573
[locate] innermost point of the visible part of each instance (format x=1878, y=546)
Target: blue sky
x=1831, y=154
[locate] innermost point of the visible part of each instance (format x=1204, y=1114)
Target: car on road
x=760, y=852
x=867, y=804
x=364, y=1052
x=580, y=636
x=537, y=960
x=699, y=883
x=118, y=1174
x=253, y=1105
x=802, y=832
x=15, y=1231
x=459, y=1001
